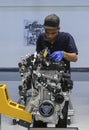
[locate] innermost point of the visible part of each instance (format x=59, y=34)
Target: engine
x=45, y=87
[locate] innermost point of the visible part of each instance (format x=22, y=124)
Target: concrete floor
x=79, y=98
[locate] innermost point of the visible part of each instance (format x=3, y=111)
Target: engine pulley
x=59, y=98
x=46, y=109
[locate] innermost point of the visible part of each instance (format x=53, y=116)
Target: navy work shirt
x=63, y=42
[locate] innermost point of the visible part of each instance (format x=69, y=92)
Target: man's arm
x=70, y=56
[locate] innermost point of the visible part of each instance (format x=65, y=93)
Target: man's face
x=51, y=34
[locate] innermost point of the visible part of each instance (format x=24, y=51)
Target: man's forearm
x=70, y=56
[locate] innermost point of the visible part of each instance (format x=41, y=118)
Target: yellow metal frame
x=12, y=109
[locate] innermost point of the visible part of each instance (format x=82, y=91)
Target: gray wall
x=74, y=15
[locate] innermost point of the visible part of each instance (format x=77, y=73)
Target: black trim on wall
x=16, y=69
x=81, y=69
x=12, y=69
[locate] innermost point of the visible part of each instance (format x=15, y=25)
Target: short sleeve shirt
x=64, y=42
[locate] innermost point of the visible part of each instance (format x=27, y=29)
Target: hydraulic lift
x=0, y=121
x=12, y=109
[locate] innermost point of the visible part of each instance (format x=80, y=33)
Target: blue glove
x=57, y=56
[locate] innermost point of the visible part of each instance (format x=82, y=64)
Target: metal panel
x=70, y=128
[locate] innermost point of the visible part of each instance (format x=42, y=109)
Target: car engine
x=45, y=87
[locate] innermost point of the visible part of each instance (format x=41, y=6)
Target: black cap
x=51, y=22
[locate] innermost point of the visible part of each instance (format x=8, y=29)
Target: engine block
x=49, y=86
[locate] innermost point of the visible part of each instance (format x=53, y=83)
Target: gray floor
x=79, y=98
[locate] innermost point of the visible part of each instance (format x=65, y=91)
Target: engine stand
x=70, y=113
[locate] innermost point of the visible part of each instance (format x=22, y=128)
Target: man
x=62, y=47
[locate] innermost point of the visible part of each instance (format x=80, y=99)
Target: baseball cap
x=52, y=21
